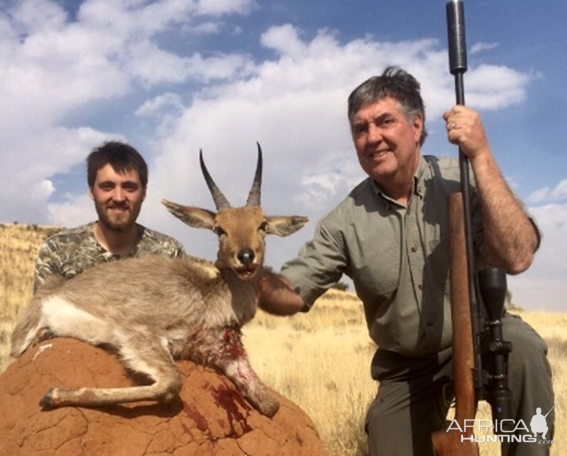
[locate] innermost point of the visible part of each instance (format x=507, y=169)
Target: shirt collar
x=110, y=255
x=418, y=182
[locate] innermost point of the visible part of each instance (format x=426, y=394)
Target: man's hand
x=277, y=296
x=219, y=264
x=510, y=237
x=465, y=129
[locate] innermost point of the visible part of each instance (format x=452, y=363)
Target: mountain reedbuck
x=153, y=310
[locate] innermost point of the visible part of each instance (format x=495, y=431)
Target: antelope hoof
x=47, y=402
x=269, y=407
x=42, y=335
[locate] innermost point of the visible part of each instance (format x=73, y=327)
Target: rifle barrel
x=457, y=36
x=458, y=66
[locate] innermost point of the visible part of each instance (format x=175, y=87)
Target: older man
x=389, y=235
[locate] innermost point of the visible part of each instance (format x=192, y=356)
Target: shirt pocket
x=378, y=276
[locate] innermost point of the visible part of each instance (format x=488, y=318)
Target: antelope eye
x=263, y=226
x=219, y=231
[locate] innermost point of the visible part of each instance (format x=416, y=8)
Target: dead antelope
x=153, y=310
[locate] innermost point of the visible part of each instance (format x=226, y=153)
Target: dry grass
x=319, y=360
x=18, y=248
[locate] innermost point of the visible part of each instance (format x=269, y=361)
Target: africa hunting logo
x=506, y=430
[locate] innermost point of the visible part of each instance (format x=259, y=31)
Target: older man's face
x=386, y=141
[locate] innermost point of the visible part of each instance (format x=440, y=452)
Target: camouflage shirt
x=70, y=252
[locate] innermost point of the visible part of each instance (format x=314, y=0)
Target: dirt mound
x=210, y=417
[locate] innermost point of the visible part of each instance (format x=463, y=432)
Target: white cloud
x=539, y=195
x=284, y=39
x=479, y=47
x=42, y=190
x=220, y=100
x=218, y=7
x=29, y=161
x=76, y=210
x=160, y=104
x=543, y=285
x=328, y=182
x=548, y=194
x=295, y=105
x=495, y=87
x=52, y=15
x=55, y=68
x=134, y=18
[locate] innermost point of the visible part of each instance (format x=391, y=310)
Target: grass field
x=319, y=360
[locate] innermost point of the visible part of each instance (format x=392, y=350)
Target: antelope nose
x=246, y=256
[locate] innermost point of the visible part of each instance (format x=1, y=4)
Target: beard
x=117, y=221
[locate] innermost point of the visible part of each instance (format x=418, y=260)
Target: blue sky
x=172, y=77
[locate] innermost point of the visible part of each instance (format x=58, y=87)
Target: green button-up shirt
x=396, y=255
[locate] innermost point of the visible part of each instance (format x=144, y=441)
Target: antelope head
x=241, y=230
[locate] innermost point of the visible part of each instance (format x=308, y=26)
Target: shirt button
x=414, y=249
x=420, y=286
x=430, y=324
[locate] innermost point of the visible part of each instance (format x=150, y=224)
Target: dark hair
x=122, y=157
x=393, y=82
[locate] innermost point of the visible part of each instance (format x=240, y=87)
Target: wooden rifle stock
x=453, y=442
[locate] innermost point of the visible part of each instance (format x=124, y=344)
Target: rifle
x=452, y=441
x=472, y=381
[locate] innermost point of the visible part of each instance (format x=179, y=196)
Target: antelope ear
x=192, y=216
x=284, y=226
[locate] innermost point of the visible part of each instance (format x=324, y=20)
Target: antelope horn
x=256, y=191
x=218, y=197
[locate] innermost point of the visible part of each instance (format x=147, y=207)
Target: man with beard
x=117, y=176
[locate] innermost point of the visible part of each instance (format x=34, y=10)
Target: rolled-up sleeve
x=319, y=265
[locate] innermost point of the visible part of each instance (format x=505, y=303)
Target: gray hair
x=395, y=83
